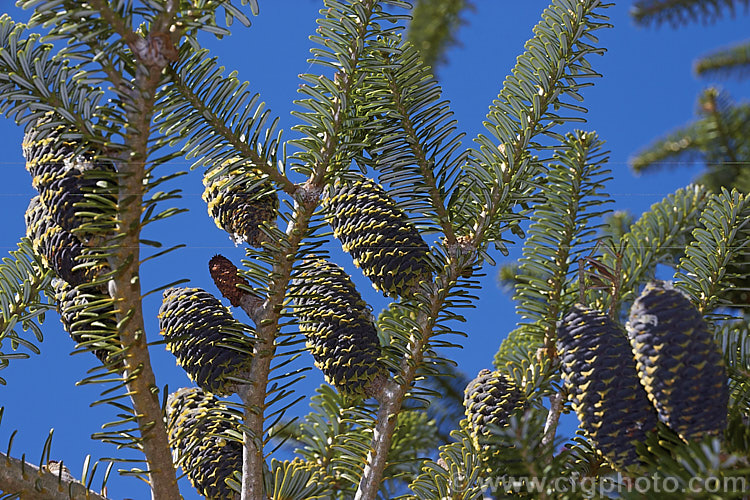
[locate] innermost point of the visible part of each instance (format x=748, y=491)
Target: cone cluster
x=207, y=341
x=198, y=424
x=338, y=327
x=240, y=202
x=490, y=399
x=679, y=362
x=378, y=235
x=600, y=374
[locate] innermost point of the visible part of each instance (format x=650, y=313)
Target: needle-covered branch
x=125, y=284
x=189, y=110
x=268, y=316
x=501, y=170
x=416, y=147
x=392, y=395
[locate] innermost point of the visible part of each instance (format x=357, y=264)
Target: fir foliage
x=679, y=12
x=732, y=61
x=544, y=86
x=717, y=139
x=23, y=279
x=563, y=228
x=433, y=28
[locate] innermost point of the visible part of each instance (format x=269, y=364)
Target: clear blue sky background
x=648, y=89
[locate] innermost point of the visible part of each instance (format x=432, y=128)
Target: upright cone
x=240, y=202
x=89, y=318
x=600, y=374
x=491, y=399
x=679, y=362
x=63, y=175
x=338, y=327
x=379, y=236
x=207, y=341
x=60, y=250
x=198, y=426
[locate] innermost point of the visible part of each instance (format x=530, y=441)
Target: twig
x=115, y=21
x=267, y=317
x=219, y=126
x=392, y=395
x=553, y=417
x=436, y=198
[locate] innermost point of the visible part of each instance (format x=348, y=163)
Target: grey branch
x=553, y=417
x=23, y=478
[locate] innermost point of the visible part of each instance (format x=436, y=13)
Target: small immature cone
x=338, y=327
x=383, y=243
x=491, y=399
x=198, y=424
x=209, y=344
x=679, y=362
x=600, y=374
x=240, y=202
x=226, y=277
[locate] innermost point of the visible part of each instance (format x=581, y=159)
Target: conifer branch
x=713, y=109
x=220, y=127
x=425, y=165
x=433, y=27
x=307, y=198
x=679, y=213
x=726, y=62
x=22, y=278
x=32, y=81
x=553, y=418
x=518, y=117
x=679, y=147
x=679, y=12
x=18, y=477
x=253, y=397
x=721, y=237
x=125, y=284
x=393, y=393
x=116, y=22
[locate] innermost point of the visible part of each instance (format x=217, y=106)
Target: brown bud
x=226, y=278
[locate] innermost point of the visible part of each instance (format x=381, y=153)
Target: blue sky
x=647, y=89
